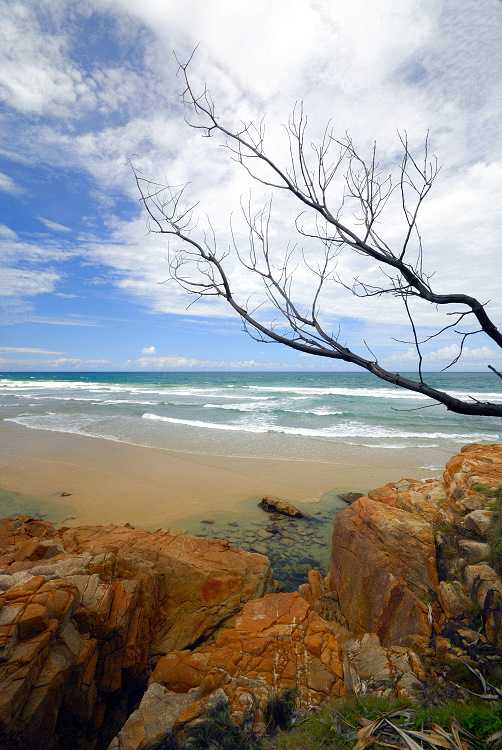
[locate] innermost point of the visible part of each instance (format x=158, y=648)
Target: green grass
x=334, y=727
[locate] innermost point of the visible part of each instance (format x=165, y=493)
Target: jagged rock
x=79, y=628
x=278, y=642
x=486, y=588
x=276, y=505
x=475, y=465
x=153, y=720
x=478, y=521
x=321, y=598
x=414, y=496
x=383, y=570
x=480, y=579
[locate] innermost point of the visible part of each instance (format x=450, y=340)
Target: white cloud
x=368, y=69
x=483, y=353
x=62, y=363
x=53, y=225
x=7, y=185
x=17, y=282
x=7, y=233
x=148, y=350
x=175, y=362
x=26, y=350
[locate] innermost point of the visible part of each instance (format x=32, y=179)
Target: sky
x=88, y=85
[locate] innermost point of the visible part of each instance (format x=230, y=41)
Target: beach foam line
x=340, y=430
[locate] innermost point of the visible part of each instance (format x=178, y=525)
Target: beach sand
x=112, y=482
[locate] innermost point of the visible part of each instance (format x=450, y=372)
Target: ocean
x=293, y=416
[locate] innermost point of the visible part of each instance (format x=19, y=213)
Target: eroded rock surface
x=383, y=570
x=78, y=629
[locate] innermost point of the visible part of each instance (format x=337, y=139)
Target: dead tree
x=198, y=264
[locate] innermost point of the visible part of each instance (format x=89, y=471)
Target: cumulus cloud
x=148, y=350
x=484, y=353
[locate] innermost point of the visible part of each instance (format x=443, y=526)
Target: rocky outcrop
x=277, y=642
x=475, y=465
x=78, y=629
x=383, y=571
x=117, y=637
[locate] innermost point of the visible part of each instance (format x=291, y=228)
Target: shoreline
x=112, y=482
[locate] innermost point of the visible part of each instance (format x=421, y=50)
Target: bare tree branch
x=198, y=264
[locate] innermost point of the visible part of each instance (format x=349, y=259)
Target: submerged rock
x=276, y=505
x=350, y=497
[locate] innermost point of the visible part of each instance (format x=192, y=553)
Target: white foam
x=343, y=429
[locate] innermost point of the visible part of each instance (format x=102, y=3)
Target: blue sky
x=86, y=84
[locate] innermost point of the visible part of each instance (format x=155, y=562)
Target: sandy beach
x=111, y=482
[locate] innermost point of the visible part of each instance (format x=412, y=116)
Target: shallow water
x=14, y=503
x=294, y=546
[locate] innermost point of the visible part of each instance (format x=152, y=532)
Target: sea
x=292, y=416
x=346, y=418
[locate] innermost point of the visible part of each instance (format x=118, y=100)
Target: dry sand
x=114, y=482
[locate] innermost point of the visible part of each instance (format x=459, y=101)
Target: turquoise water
x=309, y=417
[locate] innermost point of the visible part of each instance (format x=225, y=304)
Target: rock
x=383, y=570
x=78, y=630
x=414, y=496
x=472, y=550
x=480, y=579
x=474, y=465
x=262, y=534
x=350, y=497
x=388, y=673
x=153, y=720
x=277, y=642
x=324, y=601
x=275, y=505
x=259, y=548
x=454, y=599
x=478, y=521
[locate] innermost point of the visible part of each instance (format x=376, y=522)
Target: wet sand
x=113, y=482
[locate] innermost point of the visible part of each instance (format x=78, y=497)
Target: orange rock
x=34, y=619
x=383, y=570
x=69, y=645
x=474, y=465
x=278, y=641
